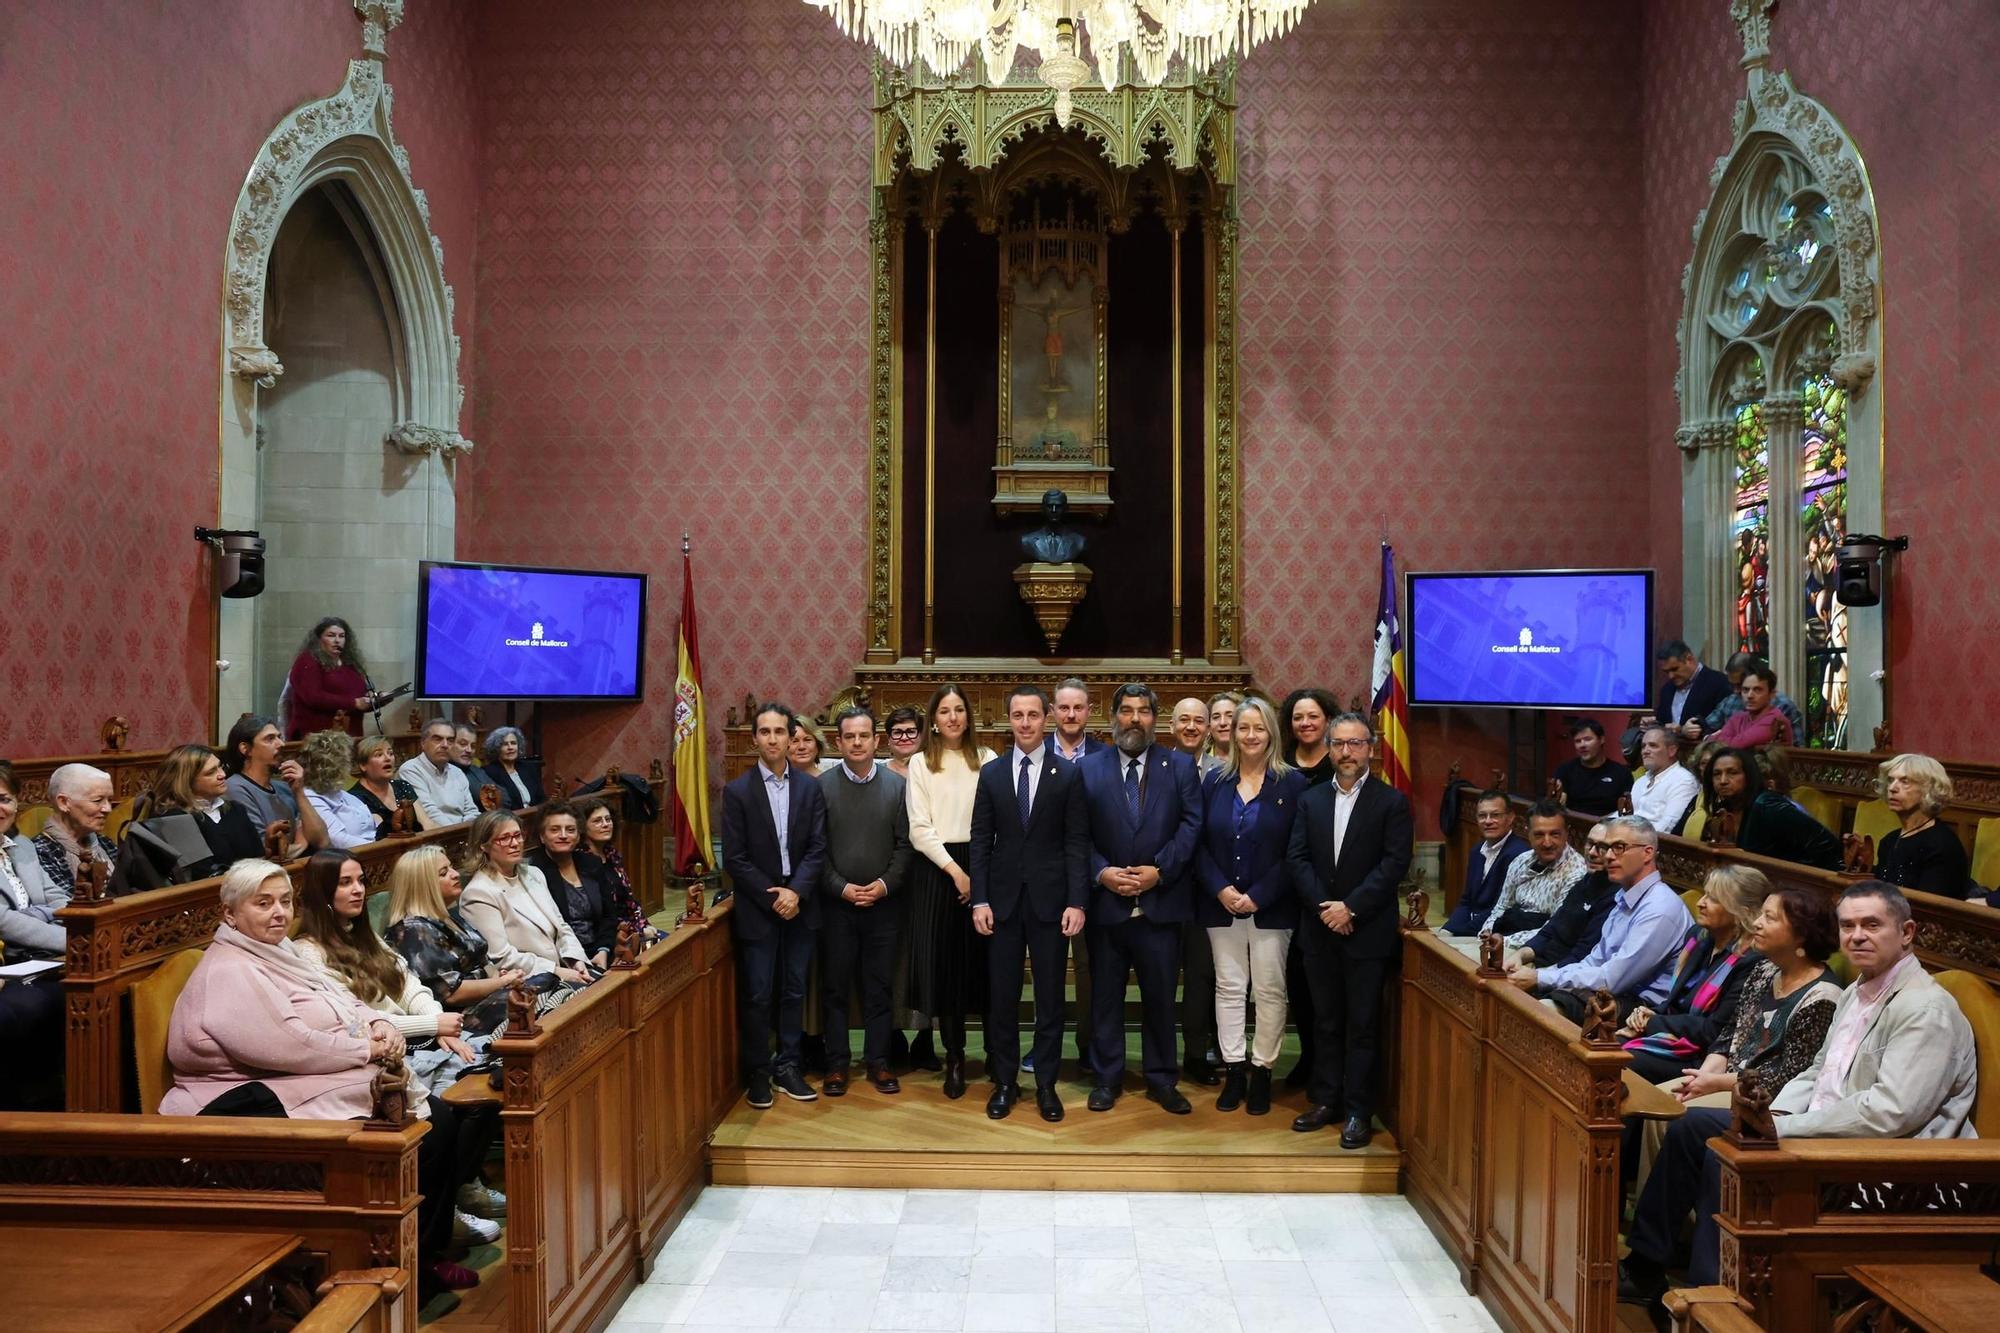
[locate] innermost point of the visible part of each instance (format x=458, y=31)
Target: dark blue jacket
x=1045, y=865
x=1163, y=835
x=1482, y=887
x=1262, y=853
x=750, y=848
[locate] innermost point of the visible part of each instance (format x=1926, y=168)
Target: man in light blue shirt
x=1634, y=957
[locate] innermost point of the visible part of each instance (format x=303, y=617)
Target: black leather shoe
x=789, y=1082
x=1002, y=1101
x=883, y=1080
x=1169, y=1100
x=1049, y=1104
x=835, y=1082
x=1640, y=1282
x=1315, y=1117
x=1102, y=1098
x=954, y=1076
x=1257, y=1101
x=1233, y=1086
x=1202, y=1072
x=758, y=1094
x=1356, y=1132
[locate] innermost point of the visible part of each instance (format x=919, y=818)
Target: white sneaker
x=477, y=1197
x=470, y=1230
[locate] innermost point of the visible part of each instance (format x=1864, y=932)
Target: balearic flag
x=1391, y=682
x=691, y=841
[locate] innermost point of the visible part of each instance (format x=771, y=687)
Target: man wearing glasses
x=1634, y=955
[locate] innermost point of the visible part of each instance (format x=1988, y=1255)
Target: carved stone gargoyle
x=489, y=797
x=1721, y=829
x=390, y=1092
x=113, y=732
x=521, y=1012
x=404, y=822
x=1857, y=854
x=1417, y=909
x=1600, y=1020
x=1751, y=1124
x=1491, y=951
x=625, y=953
x=277, y=839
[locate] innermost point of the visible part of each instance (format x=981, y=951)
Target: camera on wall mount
x=239, y=560
x=1858, y=567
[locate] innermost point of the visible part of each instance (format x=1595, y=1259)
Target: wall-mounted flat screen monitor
x=1531, y=638
x=518, y=632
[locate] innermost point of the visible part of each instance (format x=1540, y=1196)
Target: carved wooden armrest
x=1715, y=1309
x=1866, y=1186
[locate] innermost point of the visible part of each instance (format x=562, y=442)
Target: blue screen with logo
x=1531, y=639
x=506, y=632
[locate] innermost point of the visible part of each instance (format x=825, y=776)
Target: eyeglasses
x=1599, y=847
x=1620, y=848
x=903, y=733
x=1349, y=745
x=515, y=836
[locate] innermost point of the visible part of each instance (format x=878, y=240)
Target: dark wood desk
x=1937, y=1298
x=118, y=1279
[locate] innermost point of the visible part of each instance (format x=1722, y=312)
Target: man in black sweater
x=867, y=862
x=1591, y=782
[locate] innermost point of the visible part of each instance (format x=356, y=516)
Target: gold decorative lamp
x=1052, y=592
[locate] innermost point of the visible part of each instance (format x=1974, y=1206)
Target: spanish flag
x=1392, y=682
x=691, y=841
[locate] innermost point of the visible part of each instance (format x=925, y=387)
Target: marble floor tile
x=865, y=1239
x=1087, y=1208
x=1192, y=1314
x=842, y=1272
x=660, y=1304
x=1372, y=1314
x=1001, y=1240
x=1255, y=1242
x=1292, y=1313
x=1370, y=1279
x=944, y=1208
x=930, y=1311
x=1113, y=1241
x=832, y=1309
x=927, y=1272
x=744, y=1268
x=1099, y=1279
x=861, y=1206
x=1076, y=1313
x=1243, y=1210
x=774, y=1237
x=742, y=1307
x=1011, y=1312
x=923, y=1238
x=1428, y=1277
x=1252, y=1277
x=1012, y=1275
x=1169, y=1244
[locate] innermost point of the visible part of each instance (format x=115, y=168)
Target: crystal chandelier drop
x=945, y=34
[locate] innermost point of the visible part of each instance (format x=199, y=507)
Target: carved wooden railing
x=1951, y=932
x=609, y=1103
x=1510, y=1133
x=1795, y=1217
x=358, y=1300
x=348, y=1191
x=1850, y=775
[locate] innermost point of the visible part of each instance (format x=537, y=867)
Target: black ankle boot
x=1259, y=1096
x=954, y=1075
x=1231, y=1096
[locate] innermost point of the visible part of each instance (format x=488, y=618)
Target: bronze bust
x=1052, y=544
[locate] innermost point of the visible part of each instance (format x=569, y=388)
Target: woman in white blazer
x=508, y=902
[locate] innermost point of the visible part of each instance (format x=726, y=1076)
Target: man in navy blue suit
x=774, y=875
x=1072, y=740
x=1486, y=868
x=1144, y=801
x=1030, y=862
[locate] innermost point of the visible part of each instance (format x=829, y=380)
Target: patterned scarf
x=1706, y=992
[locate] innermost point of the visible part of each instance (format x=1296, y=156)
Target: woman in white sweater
x=508, y=902
x=947, y=965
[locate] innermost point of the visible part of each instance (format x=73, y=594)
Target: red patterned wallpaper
x=1915, y=85
x=130, y=129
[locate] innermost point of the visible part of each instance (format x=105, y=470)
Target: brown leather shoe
x=835, y=1082
x=883, y=1080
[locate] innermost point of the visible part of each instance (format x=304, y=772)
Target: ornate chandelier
x=945, y=34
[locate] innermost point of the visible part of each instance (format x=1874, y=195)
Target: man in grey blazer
x=1898, y=1063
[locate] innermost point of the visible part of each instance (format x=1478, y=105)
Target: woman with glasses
x=507, y=901
x=906, y=736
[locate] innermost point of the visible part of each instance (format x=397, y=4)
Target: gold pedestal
x=1053, y=592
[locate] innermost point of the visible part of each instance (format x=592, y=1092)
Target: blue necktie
x=1022, y=790
x=1132, y=786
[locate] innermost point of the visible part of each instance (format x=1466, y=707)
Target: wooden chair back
x=1821, y=806
x=1873, y=819
x=153, y=1003
x=1981, y=1007
x=1697, y=820
x=120, y=816
x=1986, y=854
x=32, y=821
x=377, y=905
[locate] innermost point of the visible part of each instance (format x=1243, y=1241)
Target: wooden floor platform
x=919, y=1139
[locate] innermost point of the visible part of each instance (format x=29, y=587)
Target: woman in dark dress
x=381, y=790
x=1923, y=854
x=579, y=883
x=1744, y=813
x=1715, y=959
x=438, y=947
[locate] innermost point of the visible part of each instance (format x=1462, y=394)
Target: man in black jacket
x=1351, y=845
x=1030, y=862
x=1689, y=692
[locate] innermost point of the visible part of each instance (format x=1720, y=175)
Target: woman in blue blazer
x=1246, y=900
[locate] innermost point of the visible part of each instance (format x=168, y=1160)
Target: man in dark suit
x=1689, y=691
x=1072, y=740
x=1144, y=802
x=1351, y=845
x=775, y=876
x=1030, y=859
x=1486, y=868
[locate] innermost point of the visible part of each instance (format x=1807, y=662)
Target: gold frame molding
x=923, y=121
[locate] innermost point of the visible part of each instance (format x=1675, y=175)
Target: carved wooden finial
x=93, y=879
x=1750, y=1122
x=1600, y=1020
x=114, y=731
x=656, y=772
x=1625, y=803
x=614, y=778
x=277, y=839
x=521, y=1012
x=697, y=892
x=1417, y=909
x=625, y=953
x=1720, y=830
x=729, y=716
x=389, y=1092
x=1357, y=703
x=1883, y=744
x=417, y=721
x=552, y=783
x=1491, y=953
x=489, y=797
x=404, y=821
x=1857, y=853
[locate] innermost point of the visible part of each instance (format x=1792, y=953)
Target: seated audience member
x=1743, y=812
x=1592, y=782
x=1716, y=958
x=327, y=677
x=1636, y=950
x=507, y=901
x=1898, y=1062
x=80, y=801
x=329, y=765
x=378, y=788
x=600, y=839
x=1486, y=869
x=443, y=794
x=508, y=767
x=1667, y=792
x=441, y=949
x=578, y=883
x=1573, y=931
x=1689, y=691
x=1759, y=721
x=31, y=1012
x=190, y=780
x=1536, y=884
x=1922, y=854
x=28, y=900
x=268, y=786
x=1221, y=727
x=261, y=1030
x=465, y=758
x=905, y=728
x=1738, y=664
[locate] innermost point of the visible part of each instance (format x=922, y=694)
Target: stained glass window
x=1751, y=534
x=1822, y=520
